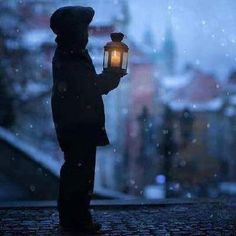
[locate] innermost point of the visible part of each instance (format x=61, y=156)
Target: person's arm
x=107, y=81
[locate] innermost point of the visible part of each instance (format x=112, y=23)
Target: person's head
x=70, y=24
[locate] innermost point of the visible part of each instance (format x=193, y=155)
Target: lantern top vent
x=116, y=43
x=117, y=37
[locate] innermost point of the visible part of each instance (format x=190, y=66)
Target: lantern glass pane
x=105, y=61
x=115, y=58
x=125, y=60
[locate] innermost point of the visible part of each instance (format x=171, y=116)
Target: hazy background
x=171, y=122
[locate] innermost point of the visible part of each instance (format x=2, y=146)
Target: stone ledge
x=113, y=203
x=141, y=218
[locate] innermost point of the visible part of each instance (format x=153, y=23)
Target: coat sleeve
x=105, y=82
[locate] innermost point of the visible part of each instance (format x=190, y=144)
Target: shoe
x=83, y=227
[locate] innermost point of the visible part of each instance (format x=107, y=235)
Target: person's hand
x=121, y=74
x=117, y=74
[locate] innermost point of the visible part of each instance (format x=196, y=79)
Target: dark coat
x=77, y=105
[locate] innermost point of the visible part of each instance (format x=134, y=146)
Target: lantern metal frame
x=115, y=46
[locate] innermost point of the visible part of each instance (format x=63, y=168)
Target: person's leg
x=63, y=197
x=85, y=184
x=76, y=184
x=90, y=164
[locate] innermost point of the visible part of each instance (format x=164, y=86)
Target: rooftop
x=167, y=217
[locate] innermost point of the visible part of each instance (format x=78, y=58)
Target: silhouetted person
x=78, y=114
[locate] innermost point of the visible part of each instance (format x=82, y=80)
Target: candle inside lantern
x=115, y=54
x=115, y=59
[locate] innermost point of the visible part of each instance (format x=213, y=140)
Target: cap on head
x=67, y=19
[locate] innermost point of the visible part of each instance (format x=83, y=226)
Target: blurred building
x=134, y=111
x=229, y=128
x=208, y=156
x=166, y=56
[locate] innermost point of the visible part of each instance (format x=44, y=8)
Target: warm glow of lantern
x=115, y=58
x=115, y=54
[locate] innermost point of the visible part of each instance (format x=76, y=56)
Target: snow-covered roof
x=36, y=155
x=34, y=89
x=33, y=39
x=212, y=105
x=193, y=90
x=176, y=82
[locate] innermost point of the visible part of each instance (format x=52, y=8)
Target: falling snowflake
x=132, y=181
x=194, y=140
x=32, y=188
x=188, y=195
x=203, y=22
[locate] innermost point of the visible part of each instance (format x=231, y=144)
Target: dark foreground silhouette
x=78, y=114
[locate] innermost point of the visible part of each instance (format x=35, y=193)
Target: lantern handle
x=117, y=37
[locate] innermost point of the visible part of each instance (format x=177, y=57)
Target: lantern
x=115, y=54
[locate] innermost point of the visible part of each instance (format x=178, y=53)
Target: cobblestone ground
x=182, y=219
